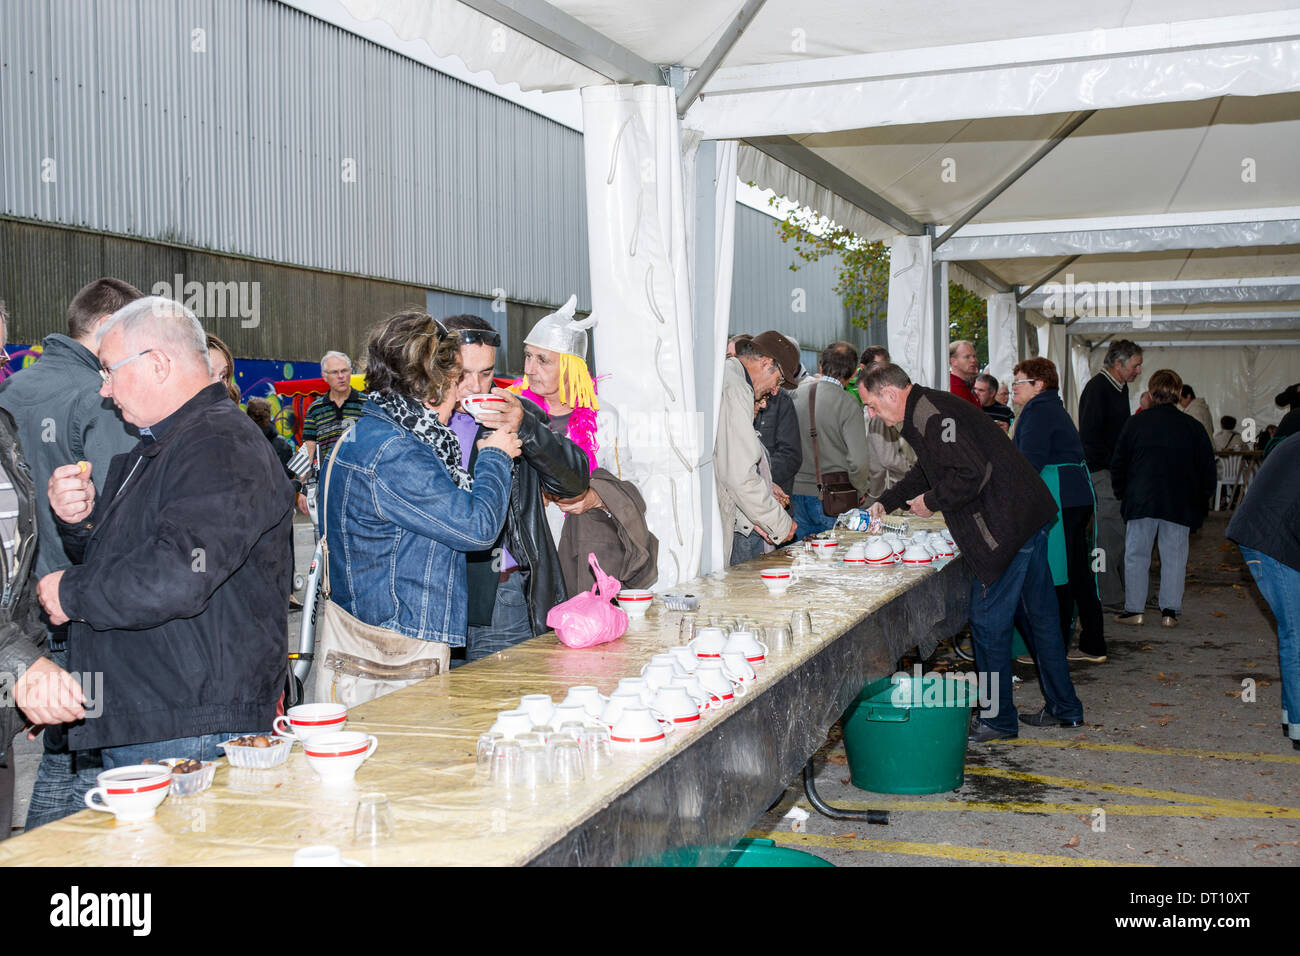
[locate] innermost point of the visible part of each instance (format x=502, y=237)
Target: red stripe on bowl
x=340, y=753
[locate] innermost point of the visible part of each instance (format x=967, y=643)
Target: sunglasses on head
x=479, y=337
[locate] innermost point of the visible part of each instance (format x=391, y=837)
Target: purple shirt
x=466, y=428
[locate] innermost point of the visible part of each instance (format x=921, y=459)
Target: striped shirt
x=325, y=421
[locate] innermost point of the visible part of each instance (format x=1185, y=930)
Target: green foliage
x=863, y=282
x=968, y=319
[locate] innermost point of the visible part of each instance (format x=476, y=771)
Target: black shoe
x=1133, y=618
x=294, y=603
x=1044, y=719
x=1168, y=618
x=984, y=733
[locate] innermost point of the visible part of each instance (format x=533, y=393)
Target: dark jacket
x=177, y=591
x=548, y=462
x=1268, y=518
x=778, y=430
x=62, y=419
x=22, y=636
x=1103, y=410
x=1164, y=467
x=990, y=495
x=616, y=534
x=1046, y=436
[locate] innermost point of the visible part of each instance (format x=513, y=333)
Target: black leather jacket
x=22, y=636
x=548, y=462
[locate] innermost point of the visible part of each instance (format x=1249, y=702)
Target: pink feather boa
x=582, y=423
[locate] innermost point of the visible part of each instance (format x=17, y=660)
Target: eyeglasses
x=337, y=371
x=1023, y=381
x=107, y=372
x=479, y=337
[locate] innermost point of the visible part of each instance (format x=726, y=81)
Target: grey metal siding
x=241, y=139
x=764, y=292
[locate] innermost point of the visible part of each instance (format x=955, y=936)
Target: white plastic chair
x=1229, y=477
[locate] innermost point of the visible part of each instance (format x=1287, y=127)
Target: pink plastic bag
x=589, y=619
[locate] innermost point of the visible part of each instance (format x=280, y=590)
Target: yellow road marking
x=1141, y=749
x=970, y=853
x=1209, y=812
x=1187, y=798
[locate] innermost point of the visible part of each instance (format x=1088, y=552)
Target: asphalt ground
x=1182, y=761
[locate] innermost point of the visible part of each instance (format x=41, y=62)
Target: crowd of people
x=146, y=516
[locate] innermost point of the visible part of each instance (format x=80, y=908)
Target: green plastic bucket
x=909, y=735
x=766, y=853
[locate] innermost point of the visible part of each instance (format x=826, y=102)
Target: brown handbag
x=834, y=488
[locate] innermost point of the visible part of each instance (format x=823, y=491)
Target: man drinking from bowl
x=513, y=585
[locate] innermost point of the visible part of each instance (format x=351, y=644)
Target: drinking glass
x=566, y=764
x=486, y=744
x=373, y=823
x=779, y=639
x=534, y=767
x=800, y=625
x=506, y=759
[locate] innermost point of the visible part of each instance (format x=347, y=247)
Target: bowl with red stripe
x=131, y=793
x=311, y=720
x=915, y=556
x=485, y=407
x=635, y=601
x=777, y=580
x=639, y=727
x=824, y=548
x=336, y=757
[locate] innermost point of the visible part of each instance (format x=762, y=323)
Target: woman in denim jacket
x=401, y=512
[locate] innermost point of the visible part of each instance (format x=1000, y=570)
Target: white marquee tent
x=1118, y=169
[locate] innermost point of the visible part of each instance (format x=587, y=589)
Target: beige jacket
x=889, y=456
x=745, y=499
x=1199, y=409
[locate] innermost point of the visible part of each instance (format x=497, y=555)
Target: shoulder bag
x=355, y=661
x=834, y=488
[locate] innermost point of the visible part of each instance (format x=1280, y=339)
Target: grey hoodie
x=62, y=420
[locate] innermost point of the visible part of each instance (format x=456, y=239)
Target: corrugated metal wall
x=765, y=294
x=249, y=128
x=278, y=312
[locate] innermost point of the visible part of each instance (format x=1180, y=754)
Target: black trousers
x=1082, y=587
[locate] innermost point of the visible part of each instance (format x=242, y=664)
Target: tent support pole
x=1043, y=281
x=717, y=55
x=1019, y=171
x=570, y=37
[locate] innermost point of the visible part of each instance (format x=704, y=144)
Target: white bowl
x=484, y=406
x=131, y=793
x=336, y=757
x=635, y=601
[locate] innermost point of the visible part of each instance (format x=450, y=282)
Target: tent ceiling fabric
x=929, y=105
x=1179, y=157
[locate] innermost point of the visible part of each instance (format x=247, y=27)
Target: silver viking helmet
x=560, y=333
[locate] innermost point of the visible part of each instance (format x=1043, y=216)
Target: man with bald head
x=176, y=590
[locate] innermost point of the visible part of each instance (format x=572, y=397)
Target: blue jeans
x=62, y=778
x=1138, y=536
x=745, y=546
x=191, y=748
x=807, y=512
x=1280, y=586
x=511, y=623
x=1023, y=596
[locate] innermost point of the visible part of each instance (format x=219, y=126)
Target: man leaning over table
x=176, y=591
x=998, y=510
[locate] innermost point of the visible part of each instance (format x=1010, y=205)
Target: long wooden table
x=702, y=790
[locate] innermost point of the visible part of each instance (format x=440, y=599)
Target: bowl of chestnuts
x=259, y=751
